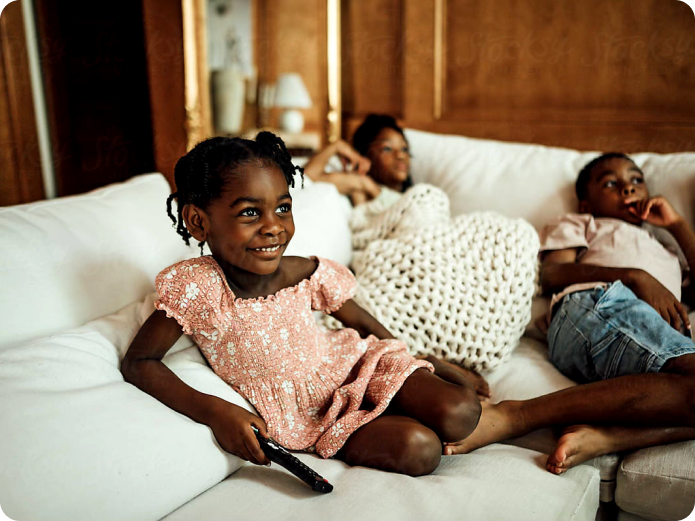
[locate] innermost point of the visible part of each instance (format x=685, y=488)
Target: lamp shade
x=291, y=93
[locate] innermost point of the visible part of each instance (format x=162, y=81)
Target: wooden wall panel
x=372, y=57
x=163, y=38
x=581, y=64
x=591, y=75
x=20, y=163
x=291, y=37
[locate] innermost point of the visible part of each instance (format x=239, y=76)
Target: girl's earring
x=201, y=244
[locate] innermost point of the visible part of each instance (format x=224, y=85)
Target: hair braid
x=273, y=148
x=201, y=174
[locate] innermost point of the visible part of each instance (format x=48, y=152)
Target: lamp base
x=292, y=121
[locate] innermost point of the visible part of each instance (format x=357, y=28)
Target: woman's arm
x=352, y=161
x=353, y=181
x=353, y=316
x=142, y=366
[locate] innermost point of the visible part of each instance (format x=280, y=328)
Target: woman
x=377, y=167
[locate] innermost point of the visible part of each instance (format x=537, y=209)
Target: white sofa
x=78, y=443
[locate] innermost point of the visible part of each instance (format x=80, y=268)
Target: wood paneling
x=163, y=36
x=291, y=37
x=20, y=163
x=372, y=57
x=591, y=75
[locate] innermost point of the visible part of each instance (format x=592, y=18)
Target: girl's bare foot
x=458, y=375
x=497, y=422
x=580, y=443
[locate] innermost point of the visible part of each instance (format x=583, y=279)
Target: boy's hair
x=582, y=184
x=367, y=132
x=201, y=174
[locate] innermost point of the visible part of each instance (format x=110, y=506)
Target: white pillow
x=533, y=182
x=79, y=443
x=321, y=217
x=70, y=260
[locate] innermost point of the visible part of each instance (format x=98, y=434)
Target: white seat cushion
x=498, y=483
x=79, y=443
x=665, y=475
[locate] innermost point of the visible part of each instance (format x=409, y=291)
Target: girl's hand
x=657, y=211
x=661, y=299
x=231, y=426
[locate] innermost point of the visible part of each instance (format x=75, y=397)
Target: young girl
x=354, y=393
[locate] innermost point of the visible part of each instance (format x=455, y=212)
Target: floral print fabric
x=313, y=388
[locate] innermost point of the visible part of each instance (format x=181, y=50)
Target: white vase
x=228, y=95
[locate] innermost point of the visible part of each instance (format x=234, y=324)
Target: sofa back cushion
x=70, y=260
x=533, y=182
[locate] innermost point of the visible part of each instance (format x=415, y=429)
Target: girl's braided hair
x=201, y=174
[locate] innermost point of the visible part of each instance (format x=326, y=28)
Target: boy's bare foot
x=580, y=443
x=458, y=375
x=497, y=423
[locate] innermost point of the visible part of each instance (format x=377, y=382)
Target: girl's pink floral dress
x=313, y=388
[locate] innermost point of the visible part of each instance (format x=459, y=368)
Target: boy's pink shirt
x=611, y=243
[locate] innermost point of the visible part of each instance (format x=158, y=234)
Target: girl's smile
x=250, y=225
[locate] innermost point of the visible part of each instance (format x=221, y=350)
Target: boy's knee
x=458, y=417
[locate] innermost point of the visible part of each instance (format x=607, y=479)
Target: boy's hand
x=657, y=211
x=662, y=300
x=231, y=426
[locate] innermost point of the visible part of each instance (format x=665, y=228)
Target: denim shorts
x=607, y=332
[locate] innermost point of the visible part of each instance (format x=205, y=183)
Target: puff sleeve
x=569, y=231
x=187, y=292
x=332, y=284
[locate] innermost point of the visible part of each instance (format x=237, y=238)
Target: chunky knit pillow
x=456, y=288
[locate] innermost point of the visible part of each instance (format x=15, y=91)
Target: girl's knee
x=420, y=451
x=398, y=444
x=458, y=416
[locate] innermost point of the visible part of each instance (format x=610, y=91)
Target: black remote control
x=279, y=454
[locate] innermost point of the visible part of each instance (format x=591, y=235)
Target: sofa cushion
x=533, y=182
x=658, y=482
x=80, y=443
x=70, y=260
x=499, y=482
x=321, y=222
x=529, y=374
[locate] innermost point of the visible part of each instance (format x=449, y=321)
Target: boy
x=617, y=321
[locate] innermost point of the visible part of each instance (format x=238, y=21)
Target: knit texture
x=459, y=288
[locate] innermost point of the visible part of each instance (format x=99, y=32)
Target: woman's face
x=390, y=157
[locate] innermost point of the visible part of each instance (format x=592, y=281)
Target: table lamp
x=291, y=94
